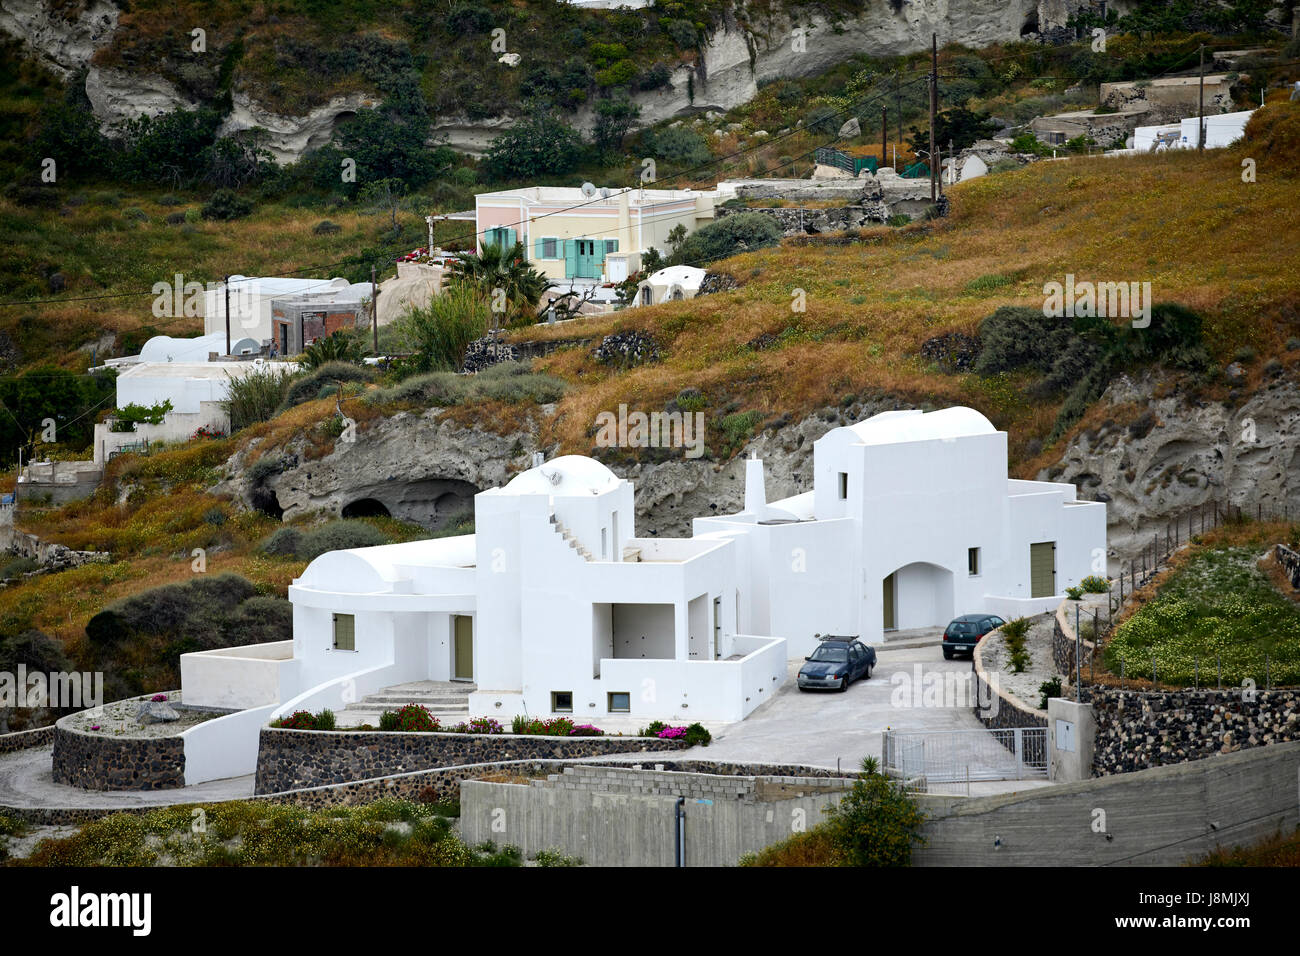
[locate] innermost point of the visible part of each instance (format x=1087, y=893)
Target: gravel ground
x=119, y=719
x=1023, y=686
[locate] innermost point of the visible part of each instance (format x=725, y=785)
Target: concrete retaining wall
x=994, y=709
x=624, y=817
x=1162, y=816
x=297, y=759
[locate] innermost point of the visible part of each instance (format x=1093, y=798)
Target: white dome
x=567, y=475
x=915, y=425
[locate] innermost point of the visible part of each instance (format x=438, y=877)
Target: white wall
x=239, y=677
x=224, y=746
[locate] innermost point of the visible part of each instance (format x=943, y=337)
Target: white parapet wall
x=254, y=675
x=224, y=746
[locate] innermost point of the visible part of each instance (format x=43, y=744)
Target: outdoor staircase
x=448, y=700
x=570, y=540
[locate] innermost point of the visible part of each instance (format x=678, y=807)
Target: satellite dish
x=588, y=189
x=604, y=192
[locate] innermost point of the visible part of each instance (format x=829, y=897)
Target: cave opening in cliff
x=366, y=508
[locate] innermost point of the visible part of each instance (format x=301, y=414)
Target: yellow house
x=588, y=233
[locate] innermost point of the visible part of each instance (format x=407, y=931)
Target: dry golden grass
x=1184, y=222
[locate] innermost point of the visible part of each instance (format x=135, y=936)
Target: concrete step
x=401, y=700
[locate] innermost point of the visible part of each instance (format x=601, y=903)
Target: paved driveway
x=830, y=729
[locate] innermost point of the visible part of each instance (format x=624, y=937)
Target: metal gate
x=921, y=759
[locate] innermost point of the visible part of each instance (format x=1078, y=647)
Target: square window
x=550, y=249
x=620, y=702
x=973, y=561
x=844, y=486
x=561, y=701
x=345, y=632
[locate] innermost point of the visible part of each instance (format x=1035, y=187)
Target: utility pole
x=227, y=285
x=934, y=104
x=898, y=105
x=884, y=135
x=374, y=310
x=1200, y=106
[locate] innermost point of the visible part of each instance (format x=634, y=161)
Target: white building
x=250, y=304
x=555, y=606
x=666, y=285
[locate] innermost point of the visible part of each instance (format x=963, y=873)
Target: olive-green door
x=1042, y=569
x=463, y=654
x=888, y=596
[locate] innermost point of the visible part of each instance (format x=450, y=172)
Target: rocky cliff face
x=738, y=57
x=1172, y=456
x=1177, y=455
x=63, y=39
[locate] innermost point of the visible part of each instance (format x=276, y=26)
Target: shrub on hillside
x=341, y=535
x=537, y=146
x=282, y=542
x=314, y=384
x=504, y=382
x=728, y=237
x=255, y=397
x=225, y=205
x=1273, y=135
x=677, y=145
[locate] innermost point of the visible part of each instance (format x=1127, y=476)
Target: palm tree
x=502, y=274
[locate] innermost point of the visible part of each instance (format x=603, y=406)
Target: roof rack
x=836, y=637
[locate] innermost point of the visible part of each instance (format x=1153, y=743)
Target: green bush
x=677, y=145
x=16, y=568
x=225, y=205
x=728, y=237
x=540, y=145
x=438, y=333
x=505, y=382
x=256, y=396
x=1048, y=689
x=343, y=534
x=1074, y=593
x=339, y=346
x=696, y=735
x=1094, y=584
x=411, y=719
x=282, y=542
x=876, y=823
x=304, y=388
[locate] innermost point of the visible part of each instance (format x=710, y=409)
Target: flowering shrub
x=691, y=735
x=207, y=431
x=478, y=725
x=1095, y=584
x=412, y=718
x=298, y=720
x=586, y=730
x=671, y=733
x=158, y=698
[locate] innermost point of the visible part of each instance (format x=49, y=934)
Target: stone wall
x=996, y=710
x=798, y=221
x=95, y=761
x=296, y=759
x=25, y=739
x=1137, y=730
x=1290, y=562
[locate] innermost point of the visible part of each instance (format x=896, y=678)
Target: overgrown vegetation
x=257, y=833
x=1217, y=608
x=875, y=824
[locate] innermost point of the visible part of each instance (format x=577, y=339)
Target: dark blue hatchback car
x=965, y=632
x=836, y=663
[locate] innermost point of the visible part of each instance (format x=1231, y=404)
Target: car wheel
x=866, y=675
x=947, y=654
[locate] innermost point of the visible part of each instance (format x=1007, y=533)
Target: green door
x=1042, y=569
x=589, y=259
x=888, y=597
x=463, y=657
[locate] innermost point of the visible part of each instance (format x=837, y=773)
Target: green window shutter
x=611, y=245
x=511, y=238
x=537, y=249
x=570, y=258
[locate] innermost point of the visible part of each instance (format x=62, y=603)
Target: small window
x=973, y=561
x=550, y=249
x=844, y=486
x=604, y=543
x=345, y=632
x=561, y=701
x=620, y=702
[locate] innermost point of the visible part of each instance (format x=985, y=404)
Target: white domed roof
x=915, y=425
x=567, y=475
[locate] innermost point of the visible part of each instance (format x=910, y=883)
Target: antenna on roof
x=539, y=459
x=588, y=189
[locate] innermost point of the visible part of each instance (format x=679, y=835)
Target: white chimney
x=755, y=493
x=539, y=459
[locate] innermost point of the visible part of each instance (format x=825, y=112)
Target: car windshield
x=962, y=627
x=830, y=655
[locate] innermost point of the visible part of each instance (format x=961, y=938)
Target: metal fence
x=920, y=760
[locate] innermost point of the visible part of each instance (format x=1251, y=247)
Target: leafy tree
x=958, y=126
x=226, y=204
x=677, y=145
x=877, y=823
x=386, y=194
x=535, y=146
x=502, y=276
x=727, y=237
x=170, y=148
x=69, y=400
x=386, y=144
x=614, y=118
